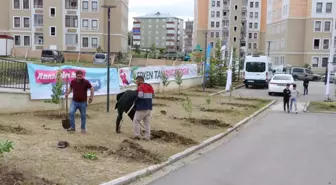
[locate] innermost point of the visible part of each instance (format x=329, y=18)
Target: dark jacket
x=125, y=101
x=286, y=94
x=145, y=97
x=306, y=82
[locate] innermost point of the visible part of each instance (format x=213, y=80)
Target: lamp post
x=269, y=48
x=108, y=7
x=205, y=59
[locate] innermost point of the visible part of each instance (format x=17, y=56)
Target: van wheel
x=270, y=94
x=246, y=86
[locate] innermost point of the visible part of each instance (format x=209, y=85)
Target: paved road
x=276, y=148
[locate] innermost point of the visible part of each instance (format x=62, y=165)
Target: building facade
x=188, y=33
x=65, y=25
x=165, y=31
x=235, y=23
x=300, y=31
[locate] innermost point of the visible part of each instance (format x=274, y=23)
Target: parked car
x=100, y=58
x=172, y=55
x=49, y=55
x=278, y=83
x=299, y=73
x=257, y=71
x=332, y=78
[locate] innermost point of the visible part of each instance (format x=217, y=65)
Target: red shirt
x=79, y=89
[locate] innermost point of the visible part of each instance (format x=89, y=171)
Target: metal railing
x=13, y=74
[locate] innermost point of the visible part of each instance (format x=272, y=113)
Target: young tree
x=178, y=79
x=187, y=106
x=165, y=82
x=57, y=90
x=208, y=101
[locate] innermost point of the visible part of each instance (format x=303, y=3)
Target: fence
x=13, y=74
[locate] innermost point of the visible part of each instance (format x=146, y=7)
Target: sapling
x=57, y=90
x=5, y=147
x=90, y=156
x=187, y=105
x=208, y=101
x=231, y=90
x=178, y=79
x=165, y=82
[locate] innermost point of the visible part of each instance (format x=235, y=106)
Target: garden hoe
x=66, y=121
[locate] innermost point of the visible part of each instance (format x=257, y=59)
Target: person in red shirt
x=79, y=87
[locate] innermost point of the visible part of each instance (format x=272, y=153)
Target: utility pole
x=269, y=48
x=205, y=59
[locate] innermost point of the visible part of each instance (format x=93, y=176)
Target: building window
x=85, y=6
x=236, y=7
x=38, y=3
x=16, y=4
x=256, y=15
x=234, y=39
x=217, y=34
x=251, y=4
x=17, y=40
x=212, y=35
x=315, y=61
x=25, y=4
x=235, y=18
x=317, y=26
x=17, y=22
x=213, y=3
x=255, y=35
x=218, y=14
x=26, y=40
x=85, y=42
x=335, y=41
x=53, y=31
x=217, y=24
x=318, y=7
x=94, y=6
x=94, y=42
x=325, y=61
x=250, y=35
x=94, y=24
x=251, y=15
x=255, y=44
x=38, y=20
x=326, y=43
x=52, y=12
x=328, y=7
x=255, y=25
x=212, y=24
x=256, y=4
x=71, y=39
x=85, y=24
x=249, y=45
x=71, y=21
x=316, y=43
x=212, y=13
x=26, y=22
x=327, y=26
x=71, y=4
x=250, y=25
x=218, y=3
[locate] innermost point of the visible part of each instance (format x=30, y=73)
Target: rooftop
x=155, y=15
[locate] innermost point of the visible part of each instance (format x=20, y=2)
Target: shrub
x=5, y=147
x=208, y=101
x=165, y=82
x=178, y=78
x=187, y=106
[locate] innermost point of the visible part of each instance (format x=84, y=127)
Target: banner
x=43, y=78
x=152, y=74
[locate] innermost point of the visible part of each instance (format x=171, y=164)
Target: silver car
x=100, y=58
x=299, y=73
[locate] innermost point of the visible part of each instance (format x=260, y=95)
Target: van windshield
x=255, y=67
x=100, y=56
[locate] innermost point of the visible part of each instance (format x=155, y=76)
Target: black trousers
x=305, y=90
x=286, y=104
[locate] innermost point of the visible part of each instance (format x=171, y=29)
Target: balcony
x=226, y=8
x=38, y=20
x=71, y=21
x=71, y=4
x=38, y=4
x=225, y=17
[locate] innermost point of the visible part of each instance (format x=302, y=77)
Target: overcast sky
x=180, y=8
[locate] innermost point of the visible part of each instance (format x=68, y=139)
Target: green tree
x=99, y=49
x=178, y=79
x=57, y=91
x=165, y=81
x=187, y=106
x=137, y=49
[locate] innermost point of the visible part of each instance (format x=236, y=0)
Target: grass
x=36, y=154
x=322, y=106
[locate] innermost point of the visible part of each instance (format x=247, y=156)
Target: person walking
x=143, y=107
x=294, y=98
x=79, y=87
x=286, y=96
x=305, y=85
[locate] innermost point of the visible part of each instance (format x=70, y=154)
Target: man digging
x=143, y=107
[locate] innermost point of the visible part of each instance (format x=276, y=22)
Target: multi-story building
x=165, y=31
x=299, y=32
x=188, y=33
x=235, y=23
x=66, y=25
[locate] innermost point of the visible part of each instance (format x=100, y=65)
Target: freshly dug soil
x=90, y=148
x=239, y=104
x=159, y=105
x=251, y=99
x=11, y=129
x=171, y=137
x=133, y=151
x=230, y=111
x=169, y=98
x=56, y=115
x=210, y=123
x=13, y=176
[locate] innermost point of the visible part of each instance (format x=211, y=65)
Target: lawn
x=79, y=64
x=35, y=155
x=322, y=106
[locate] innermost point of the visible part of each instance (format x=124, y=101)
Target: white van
x=257, y=71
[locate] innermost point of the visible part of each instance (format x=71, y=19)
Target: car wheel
x=270, y=93
x=314, y=78
x=295, y=77
x=246, y=86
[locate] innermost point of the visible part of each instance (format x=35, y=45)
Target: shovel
x=66, y=121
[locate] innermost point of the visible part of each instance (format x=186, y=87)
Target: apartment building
x=236, y=23
x=300, y=31
x=188, y=33
x=163, y=30
x=66, y=25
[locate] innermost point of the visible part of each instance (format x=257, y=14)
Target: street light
x=108, y=53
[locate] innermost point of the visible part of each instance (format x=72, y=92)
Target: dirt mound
x=239, y=104
x=55, y=115
x=91, y=148
x=169, y=98
x=171, y=137
x=251, y=99
x=13, y=176
x=210, y=123
x=159, y=105
x=11, y=129
x=228, y=111
x=133, y=151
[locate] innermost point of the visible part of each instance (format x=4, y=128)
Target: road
x=276, y=148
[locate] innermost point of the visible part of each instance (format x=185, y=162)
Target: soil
x=91, y=148
x=251, y=99
x=230, y=111
x=246, y=105
x=51, y=114
x=163, y=112
x=13, y=176
x=169, y=98
x=133, y=151
x=159, y=105
x=11, y=129
x=210, y=123
x=171, y=137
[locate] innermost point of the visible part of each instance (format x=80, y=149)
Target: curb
x=147, y=171
x=306, y=107
x=223, y=91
